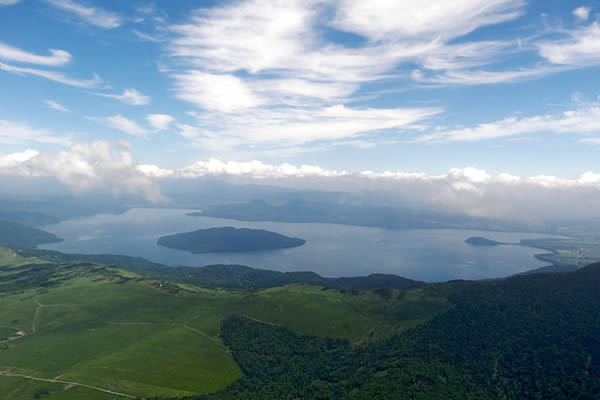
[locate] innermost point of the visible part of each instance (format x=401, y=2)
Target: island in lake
x=228, y=239
x=481, y=241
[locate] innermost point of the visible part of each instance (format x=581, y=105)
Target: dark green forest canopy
x=228, y=239
x=528, y=337
x=227, y=276
x=18, y=236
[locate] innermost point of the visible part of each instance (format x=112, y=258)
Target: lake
x=331, y=250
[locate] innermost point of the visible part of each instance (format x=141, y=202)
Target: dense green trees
x=528, y=337
x=18, y=236
x=228, y=239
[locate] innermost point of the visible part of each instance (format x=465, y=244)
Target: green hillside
x=529, y=337
x=16, y=235
x=229, y=276
x=83, y=330
x=117, y=331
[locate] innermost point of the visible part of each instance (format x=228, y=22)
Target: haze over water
x=331, y=250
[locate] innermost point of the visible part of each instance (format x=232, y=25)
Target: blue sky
x=503, y=86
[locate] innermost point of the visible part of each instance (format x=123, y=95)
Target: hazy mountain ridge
x=301, y=210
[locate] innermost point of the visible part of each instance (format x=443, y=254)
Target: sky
x=119, y=94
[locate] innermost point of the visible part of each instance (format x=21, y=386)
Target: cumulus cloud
x=583, y=13
x=159, y=122
x=580, y=49
x=53, y=76
x=585, y=120
x=56, y=57
x=14, y=159
x=471, y=191
x=129, y=96
x=468, y=191
x=92, y=15
x=55, y=106
x=86, y=166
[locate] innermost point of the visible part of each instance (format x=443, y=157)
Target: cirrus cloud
x=56, y=57
x=93, y=15
x=129, y=96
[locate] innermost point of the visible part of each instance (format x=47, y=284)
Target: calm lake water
x=331, y=250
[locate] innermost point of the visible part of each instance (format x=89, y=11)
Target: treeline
x=227, y=276
x=19, y=236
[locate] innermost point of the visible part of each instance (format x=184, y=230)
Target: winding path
x=8, y=373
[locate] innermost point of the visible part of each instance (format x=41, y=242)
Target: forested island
x=228, y=239
x=481, y=241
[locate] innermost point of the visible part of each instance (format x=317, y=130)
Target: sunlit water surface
x=331, y=250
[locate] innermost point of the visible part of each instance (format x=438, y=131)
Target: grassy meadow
x=112, y=330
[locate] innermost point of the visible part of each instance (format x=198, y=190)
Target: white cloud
x=129, y=96
x=591, y=140
x=56, y=57
x=8, y=2
x=481, y=77
x=580, y=49
x=53, y=76
x=14, y=159
x=122, y=124
x=12, y=132
x=154, y=171
x=407, y=19
x=225, y=93
x=146, y=36
x=584, y=121
x=472, y=191
x=263, y=74
x=159, y=121
x=276, y=128
x=469, y=190
x=55, y=106
x=86, y=166
x=92, y=15
x=252, y=169
x=583, y=13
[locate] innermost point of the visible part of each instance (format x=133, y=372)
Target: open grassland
x=9, y=258
x=91, y=329
x=580, y=250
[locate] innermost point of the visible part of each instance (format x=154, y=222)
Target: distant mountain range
x=338, y=213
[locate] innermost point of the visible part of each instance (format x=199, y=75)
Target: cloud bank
x=110, y=166
x=101, y=165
